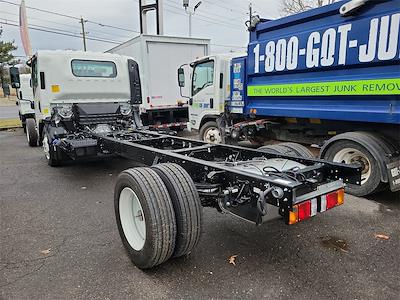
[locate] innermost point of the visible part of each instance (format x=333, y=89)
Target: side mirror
x=181, y=77
x=14, y=76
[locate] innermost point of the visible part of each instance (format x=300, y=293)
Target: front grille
x=97, y=113
x=98, y=119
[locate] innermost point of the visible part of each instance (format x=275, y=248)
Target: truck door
x=203, y=91
x=35, y=88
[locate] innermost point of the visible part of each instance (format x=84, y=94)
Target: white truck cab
x=210, y=88
x=62, y=78
x=76, y=93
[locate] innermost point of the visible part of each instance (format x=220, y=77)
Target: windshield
x=203, y=76
x=91, y=68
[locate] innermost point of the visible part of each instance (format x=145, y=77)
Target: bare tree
x=290, y=7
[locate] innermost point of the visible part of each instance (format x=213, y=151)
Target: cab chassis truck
x=159, y=208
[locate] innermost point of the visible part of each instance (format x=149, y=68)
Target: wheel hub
x=132, y=218
x=46, y=147
x=213, y=135
x=351, y=156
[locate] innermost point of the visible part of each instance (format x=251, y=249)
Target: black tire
x=207, y=126
x=373, y=183
x=187, y=206
x=31, y=132
x=23, y=122
x=301, y=150
x=158, y=212
x=52, y=155
x=278, y=149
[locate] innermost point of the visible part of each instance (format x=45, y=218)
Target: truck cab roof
x=228, y=56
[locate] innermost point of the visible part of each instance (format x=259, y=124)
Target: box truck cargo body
x=159, y=57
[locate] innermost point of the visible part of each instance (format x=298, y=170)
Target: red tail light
x=304, y=210
x=331, y=200
x=309, y=208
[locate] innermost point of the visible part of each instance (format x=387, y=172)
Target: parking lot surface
x=59, y=240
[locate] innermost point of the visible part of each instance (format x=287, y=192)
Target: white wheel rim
x=350, y=156
x=132, y=219
x=46, y=147
x=213, y=136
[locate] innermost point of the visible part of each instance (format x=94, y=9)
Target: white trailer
x=159, y=58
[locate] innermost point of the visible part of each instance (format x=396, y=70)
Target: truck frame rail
x=217, y=173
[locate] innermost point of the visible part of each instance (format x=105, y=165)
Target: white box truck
x=159, y=58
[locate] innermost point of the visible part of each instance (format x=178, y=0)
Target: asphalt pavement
x=59, y=240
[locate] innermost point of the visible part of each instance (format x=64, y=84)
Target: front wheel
x=210, y=133
x=49, y=151
x=31, y=132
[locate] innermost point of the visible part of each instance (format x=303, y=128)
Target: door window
x=203, y=76
x=34, y=76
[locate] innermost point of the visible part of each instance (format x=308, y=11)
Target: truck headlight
x=65, y=111
x=125, y=109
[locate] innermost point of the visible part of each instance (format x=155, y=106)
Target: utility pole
x=82, y=21
x=190, y=13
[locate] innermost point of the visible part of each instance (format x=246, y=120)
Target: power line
x=60, y=30
x=221, y=18
x=60, y=33
x=199, y=18
x=46, y=27
x=226, y=7
x=71, y=17
x=42, y=10
x=205, y=17
x=66, y=25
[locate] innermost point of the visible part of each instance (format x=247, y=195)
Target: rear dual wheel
x=349, y=152
x=158, y=213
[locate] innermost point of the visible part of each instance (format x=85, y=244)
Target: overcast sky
x=221, y=21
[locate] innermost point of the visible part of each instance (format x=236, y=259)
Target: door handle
x=211, y=103
x=191, y=101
